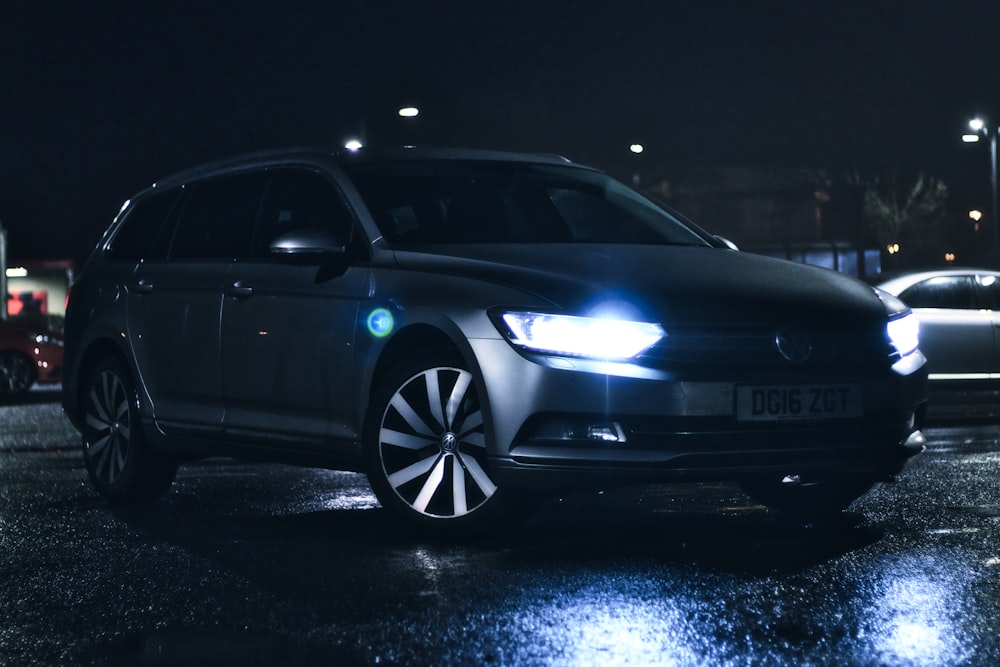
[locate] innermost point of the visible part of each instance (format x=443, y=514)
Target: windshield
x=423, y=202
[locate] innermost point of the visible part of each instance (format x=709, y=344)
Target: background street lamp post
x=636, y=149
x=981, y=129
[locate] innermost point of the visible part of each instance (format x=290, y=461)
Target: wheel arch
x=99, y=349
x=420, y=338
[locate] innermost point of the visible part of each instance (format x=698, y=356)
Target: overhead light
x=353, y=145
x=409, y=112
x=17, y=272
x=970, y=138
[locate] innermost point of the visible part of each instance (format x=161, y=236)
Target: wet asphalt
x=252, y=564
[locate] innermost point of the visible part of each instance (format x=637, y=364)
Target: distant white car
x=959, y=315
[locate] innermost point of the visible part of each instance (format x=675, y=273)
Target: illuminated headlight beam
x=569, y=335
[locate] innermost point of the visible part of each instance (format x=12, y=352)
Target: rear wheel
x=17, y=373
x=807, y=499
x=120, y=462
x=425, y=439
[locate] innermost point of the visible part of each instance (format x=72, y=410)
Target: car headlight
x=903, y=328
x=569, y=335
x=904, y=332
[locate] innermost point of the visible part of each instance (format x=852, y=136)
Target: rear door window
x=219, y=218
x=954, y=292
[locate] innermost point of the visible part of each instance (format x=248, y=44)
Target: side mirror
x=307, y=244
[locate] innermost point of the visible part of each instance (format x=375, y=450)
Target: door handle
x=239, y=290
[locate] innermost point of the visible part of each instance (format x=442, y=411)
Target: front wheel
x=425, y=439
x=121, y=465
x=17, y=373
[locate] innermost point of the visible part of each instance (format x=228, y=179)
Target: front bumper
x=556, y=425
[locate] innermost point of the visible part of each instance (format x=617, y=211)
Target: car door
x=289, y=324
x=988, y=289
x=175, y=304
x=956, y=334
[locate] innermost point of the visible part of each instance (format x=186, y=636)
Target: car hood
x=684, y=284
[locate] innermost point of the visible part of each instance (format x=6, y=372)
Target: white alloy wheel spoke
x=455, y=400
x=107, y=461
x=99, y=407
x=430, y=486
x=410, y=416
x=482, y=480
x=434, y=398
x=122, y=412
x=411, y=472
x=458, y=487
x=97, y=423
x=109, y=385
x=119, y=458
x=98, y=449
x=388, y=436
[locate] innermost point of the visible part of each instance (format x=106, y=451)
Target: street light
x=981, y=129
x=975, y=215
x=636, y=149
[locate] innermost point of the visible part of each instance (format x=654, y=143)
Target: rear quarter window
x=138, y=232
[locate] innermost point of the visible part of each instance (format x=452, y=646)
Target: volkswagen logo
x=449, y=443
x=793, y=344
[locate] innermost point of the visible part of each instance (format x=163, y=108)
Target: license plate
x=798, y=401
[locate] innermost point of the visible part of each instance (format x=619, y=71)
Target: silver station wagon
x=472, y=329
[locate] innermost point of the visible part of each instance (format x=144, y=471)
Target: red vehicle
x=29, y=353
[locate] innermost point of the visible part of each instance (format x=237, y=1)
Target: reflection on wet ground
x=248, y=564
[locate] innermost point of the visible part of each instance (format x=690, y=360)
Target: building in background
x=38, y=288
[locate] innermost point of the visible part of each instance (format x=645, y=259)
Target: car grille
x=755, y=347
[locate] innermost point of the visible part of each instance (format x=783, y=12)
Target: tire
x=425, y=443
x=808, y=500
x=121, y=465
x=17, y=373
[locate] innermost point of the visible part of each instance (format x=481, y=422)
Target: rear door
x=288, y=327
x=175, y=305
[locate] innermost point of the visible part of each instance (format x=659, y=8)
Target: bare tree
x=891, y=212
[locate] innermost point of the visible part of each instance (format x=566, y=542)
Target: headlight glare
x=570, y=335
x=904, y=332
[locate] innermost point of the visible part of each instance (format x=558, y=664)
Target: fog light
x=579, y=430
x=606, y=432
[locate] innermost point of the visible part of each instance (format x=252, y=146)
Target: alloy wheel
x=432, y=444
x=107, y=426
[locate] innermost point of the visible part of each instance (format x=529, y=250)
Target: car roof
x=319, y=154
x=897, y=282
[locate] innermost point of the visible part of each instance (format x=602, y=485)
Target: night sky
x=99, y=99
